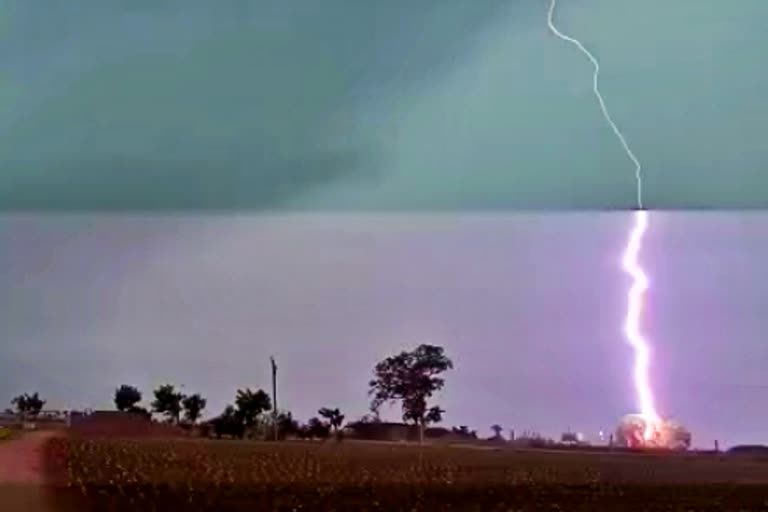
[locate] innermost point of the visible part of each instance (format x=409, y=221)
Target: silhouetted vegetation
x=228, y=423
x=193, y=406
x=250, y=405
x=28, y=405
x=316, y=429
x=168, y=402
x=126, y=397
x=411, y=378
x=154, y=475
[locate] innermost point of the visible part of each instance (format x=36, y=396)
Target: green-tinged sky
x=339, y=105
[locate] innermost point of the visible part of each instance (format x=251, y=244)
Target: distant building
x=392, y=431
x=46, y=419
x=379, y=431
x=120, y=424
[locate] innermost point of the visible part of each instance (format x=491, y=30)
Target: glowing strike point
x=632, y=324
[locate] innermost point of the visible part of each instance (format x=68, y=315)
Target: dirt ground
x=21, y=473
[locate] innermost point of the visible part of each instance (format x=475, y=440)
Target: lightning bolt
x=599, y=96
x=631, y=265
x=632, y=323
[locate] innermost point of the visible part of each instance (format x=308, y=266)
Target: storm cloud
x=448, y=105
x=176, y=105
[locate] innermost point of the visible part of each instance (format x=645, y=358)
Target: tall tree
x=250, y=404
x=168, y=402
x=28, y=405
x=126, y=397
x=497, y=429
x=333, y=416
x=411, y=378
x=193, y=407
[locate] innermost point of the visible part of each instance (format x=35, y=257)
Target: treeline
x=250, y=415
x=410, y=378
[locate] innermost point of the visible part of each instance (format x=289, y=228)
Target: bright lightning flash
x=632, y=328
x=631, y=265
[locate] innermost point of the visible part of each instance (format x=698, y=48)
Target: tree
x=251, y=404
x=411, y=378
x=333, y=416
x=193, y=407
x=316, y=429
x=433, y=415
x=335, y=420
x=228, y=423
x=287, y=425
x=497, y=429
x=168, y=402
x=28, y=405
x=126, y=397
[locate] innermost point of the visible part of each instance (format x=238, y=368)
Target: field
x=233, y=475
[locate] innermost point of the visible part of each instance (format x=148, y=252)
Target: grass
x=232, y=475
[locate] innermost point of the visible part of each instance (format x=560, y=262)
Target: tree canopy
x=316, y=429
x=193, y=407
x=250, y=404
x=411, y=378
x=228, y=423
x=286, y=425
x=168, y=402
x=432, y=415
x=126, y=397
x=28, y=405
x=333, y=416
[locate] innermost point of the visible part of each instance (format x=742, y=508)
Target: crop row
x=194, y=475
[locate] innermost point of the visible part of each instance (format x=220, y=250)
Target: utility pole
x=274, y=396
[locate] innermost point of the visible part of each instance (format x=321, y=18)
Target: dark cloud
x=337, y=105
x=176, y=105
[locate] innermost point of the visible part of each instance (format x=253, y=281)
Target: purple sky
x=528, y=305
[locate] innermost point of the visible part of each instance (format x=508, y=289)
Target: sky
x=299, y=105
x=528, y=305
x=187, y=189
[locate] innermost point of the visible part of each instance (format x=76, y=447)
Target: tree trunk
x=421, y=430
